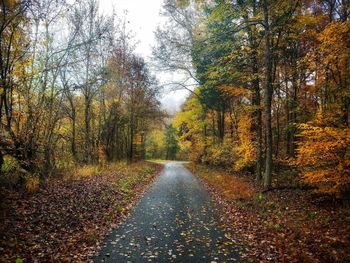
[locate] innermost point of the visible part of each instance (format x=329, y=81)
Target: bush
x=32, y=183
x=197, y=151
x=219, y=155
x=9, y=166
x=11, y=173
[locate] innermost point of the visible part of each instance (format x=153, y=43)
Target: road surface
x=175, y=221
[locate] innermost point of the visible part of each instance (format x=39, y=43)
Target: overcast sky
x=143, y=17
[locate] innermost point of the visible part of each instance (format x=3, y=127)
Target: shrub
x=11, y=173
x=197, y=151
x=32, y=183
x=9, y=166
x=220, y=155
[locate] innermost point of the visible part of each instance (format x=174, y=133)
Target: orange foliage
x=246, y=148
x=232, y=91
x=324, y=156
x=231, y=187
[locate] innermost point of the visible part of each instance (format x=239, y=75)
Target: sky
x=143, y=17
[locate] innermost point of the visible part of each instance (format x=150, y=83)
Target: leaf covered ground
x=67, y=219
x=282, y=225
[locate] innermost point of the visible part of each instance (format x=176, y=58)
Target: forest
x=265, y=127
x=271, y=86
x=72, y=91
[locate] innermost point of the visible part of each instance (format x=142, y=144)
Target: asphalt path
x=175, y=221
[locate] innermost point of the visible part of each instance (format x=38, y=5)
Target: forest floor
x=68, y=217
x=287, y=225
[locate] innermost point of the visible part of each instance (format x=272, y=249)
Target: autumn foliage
x=274, y=91
x=231, y=187
x=72, y=91
x=324, y=156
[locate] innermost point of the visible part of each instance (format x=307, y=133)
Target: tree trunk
x=131, y=145
x=258, y=119
x=288, y=131
x=293, y=117
x=256, y=100
x=73, y=146
x=268, y=98
x=278, y=131
x=213, y=124
x=1, y=161
x=87, y=130
x=221, y=125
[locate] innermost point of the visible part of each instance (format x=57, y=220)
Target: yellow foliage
x=245, y=150
x=197, y=153
x=333, y=55
x=220, y=154
x=92, y=170
x=324, y=156
x=190, y=124
x=117, y=165
x=32, y=184
x=10, y=4
x=86, y=171
x=155, y=144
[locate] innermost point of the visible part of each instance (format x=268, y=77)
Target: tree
x=268, y=89
x=172, y=146
x=155, y=144
x=302, y=48
x=175, y=40
x=12, y=48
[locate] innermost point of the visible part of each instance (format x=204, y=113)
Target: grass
x=86, y=171
x=159, y=161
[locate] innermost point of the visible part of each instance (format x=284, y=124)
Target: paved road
x=175, y=221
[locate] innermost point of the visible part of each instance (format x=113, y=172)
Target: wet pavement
x=175, y=221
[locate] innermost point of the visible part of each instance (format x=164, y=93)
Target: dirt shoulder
x=67, y=219
x=287, y=225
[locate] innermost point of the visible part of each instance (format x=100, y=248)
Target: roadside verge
x=67, y=219
x=289, y=225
